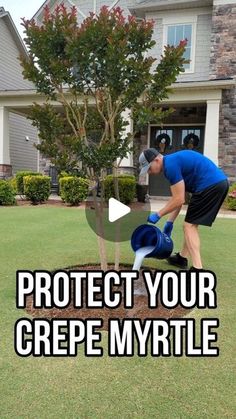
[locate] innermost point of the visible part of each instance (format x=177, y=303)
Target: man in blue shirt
x=192, y=172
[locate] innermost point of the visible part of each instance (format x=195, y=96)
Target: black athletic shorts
x=204, y=206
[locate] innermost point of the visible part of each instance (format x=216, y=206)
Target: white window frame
x=181, y=20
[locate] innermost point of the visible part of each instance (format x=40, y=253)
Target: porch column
x=127, y=162
x=211, y=142
x=5, y=166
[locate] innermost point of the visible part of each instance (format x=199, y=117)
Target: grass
x=49, y=238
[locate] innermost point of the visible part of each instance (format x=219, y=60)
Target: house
x=204, y=96
x=17, y=135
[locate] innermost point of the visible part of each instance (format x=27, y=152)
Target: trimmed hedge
x=127, y=188
x=230, y=201
x=13, y=183
x=20, y=179
x=7, y=193
x=37, y=188
x=73, y=189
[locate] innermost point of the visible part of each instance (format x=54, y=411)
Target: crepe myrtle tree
x=95, y=71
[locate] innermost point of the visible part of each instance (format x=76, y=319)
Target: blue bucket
x=150, y=235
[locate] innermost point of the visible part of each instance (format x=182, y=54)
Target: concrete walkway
x=157, y=204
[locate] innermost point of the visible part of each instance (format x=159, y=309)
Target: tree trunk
x=117, y=230
x=100, y=230
x=117, y=246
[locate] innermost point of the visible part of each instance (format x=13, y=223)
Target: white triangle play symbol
x=116, y=210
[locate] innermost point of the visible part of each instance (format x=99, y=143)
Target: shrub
x=127, y=188
x=75, y=172
x=64, y=174
x=231, y=198
x=73, y=189
x=7, y=193
x=37, y=188
x=13, y=183
x=20, y=179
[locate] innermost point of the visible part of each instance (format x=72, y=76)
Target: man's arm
x=176, y=201
x=174, y=214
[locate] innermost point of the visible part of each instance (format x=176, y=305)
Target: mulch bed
x=60, y=203
x=51, y=202
x=140, y=309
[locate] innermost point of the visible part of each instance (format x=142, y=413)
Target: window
x=175, y=31
x=175, y=34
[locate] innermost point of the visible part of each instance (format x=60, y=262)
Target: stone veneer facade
x=5, y=171
x=223, y=65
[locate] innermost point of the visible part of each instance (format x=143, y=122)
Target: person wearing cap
x=187, y=171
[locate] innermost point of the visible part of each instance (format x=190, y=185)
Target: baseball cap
x=146, y=158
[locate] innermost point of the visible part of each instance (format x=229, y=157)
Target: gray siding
x=23, y=154
x=10, y=69
x=158, y=37
x=202, y=48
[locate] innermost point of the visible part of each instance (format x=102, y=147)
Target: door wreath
x=191, y=141
x=162, y=142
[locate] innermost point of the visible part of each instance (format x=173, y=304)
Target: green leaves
x=103, y=157
x=171, y=64
x=49, y=65
x=95, y=71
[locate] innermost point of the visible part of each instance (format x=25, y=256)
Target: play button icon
x=115, y=221
x=116, y=210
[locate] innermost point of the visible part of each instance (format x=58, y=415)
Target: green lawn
x=49, y=238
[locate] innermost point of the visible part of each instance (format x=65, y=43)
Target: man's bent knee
x=188, y=226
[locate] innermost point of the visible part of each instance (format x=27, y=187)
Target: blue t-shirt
x=196, y=170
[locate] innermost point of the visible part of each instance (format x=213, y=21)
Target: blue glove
x=168, y=227
x=153, y=218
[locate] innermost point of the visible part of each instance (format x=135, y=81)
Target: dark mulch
x=51, y=202
x=82, y=205
x=140, y=309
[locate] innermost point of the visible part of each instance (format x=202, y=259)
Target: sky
x=19, y=9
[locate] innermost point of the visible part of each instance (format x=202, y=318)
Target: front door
x=169, y=140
